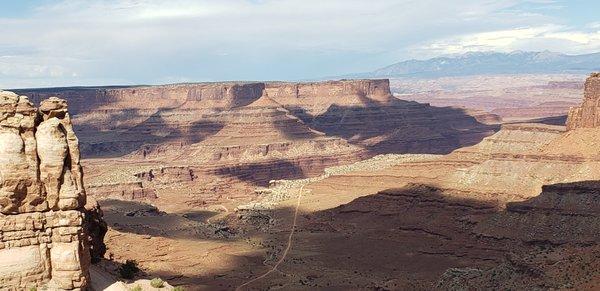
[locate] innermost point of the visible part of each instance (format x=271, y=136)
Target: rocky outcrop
x=42, y=233
x=588, y=114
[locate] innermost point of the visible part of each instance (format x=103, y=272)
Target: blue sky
x=100, y=42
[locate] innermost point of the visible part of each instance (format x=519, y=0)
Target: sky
x=47, y=43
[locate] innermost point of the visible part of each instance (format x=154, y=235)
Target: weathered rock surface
x=588, y=114
x=43, y=242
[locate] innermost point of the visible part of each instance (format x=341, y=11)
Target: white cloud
x=519, y=39
x=594, y=25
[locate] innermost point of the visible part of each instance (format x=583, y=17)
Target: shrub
x=178, y=288
x=136, y=288
x=157, y=283
x=33, y=288
x=129, y=269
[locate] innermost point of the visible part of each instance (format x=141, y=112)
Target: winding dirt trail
x=287, y=249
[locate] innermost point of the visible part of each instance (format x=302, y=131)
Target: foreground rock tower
x=42, y=238
x=588, y=114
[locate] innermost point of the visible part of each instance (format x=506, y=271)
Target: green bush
x=129, y=269
x=157, y=283
x=178, y=288
x=33, y=288
x=137, y=288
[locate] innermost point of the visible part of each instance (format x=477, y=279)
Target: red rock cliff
x=199, y=95
x=344, y=92
x=588, y=114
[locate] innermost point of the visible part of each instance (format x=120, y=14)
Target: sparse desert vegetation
x=157, y=283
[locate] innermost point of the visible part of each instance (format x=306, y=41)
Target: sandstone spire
x=42, y=238
x=588, y=114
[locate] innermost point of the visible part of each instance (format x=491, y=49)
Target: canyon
x=210, y=142
x=339, y=185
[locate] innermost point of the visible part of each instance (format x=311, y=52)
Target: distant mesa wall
x=343, y=92
x=189, y=113
x=224, y=95
x=115, y=121
x=588, y=114
x=80, y=99
x=43, y=242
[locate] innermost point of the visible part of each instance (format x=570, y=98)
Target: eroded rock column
x=588, y=114
x=43, y=242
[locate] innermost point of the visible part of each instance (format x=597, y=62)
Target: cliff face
x=43, y=241
x=224, y=95
x=205, y=95
x=116, y=121
x=588, y=114
x=345, y=92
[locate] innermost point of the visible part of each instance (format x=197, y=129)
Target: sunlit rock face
x=43, y=242
x=588, y=114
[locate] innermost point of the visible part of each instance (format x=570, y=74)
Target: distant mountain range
x=485, y=63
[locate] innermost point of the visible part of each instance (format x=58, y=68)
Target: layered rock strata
x=43, y=240
x=113, y=121
x=588, y=114
x=241, y=133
